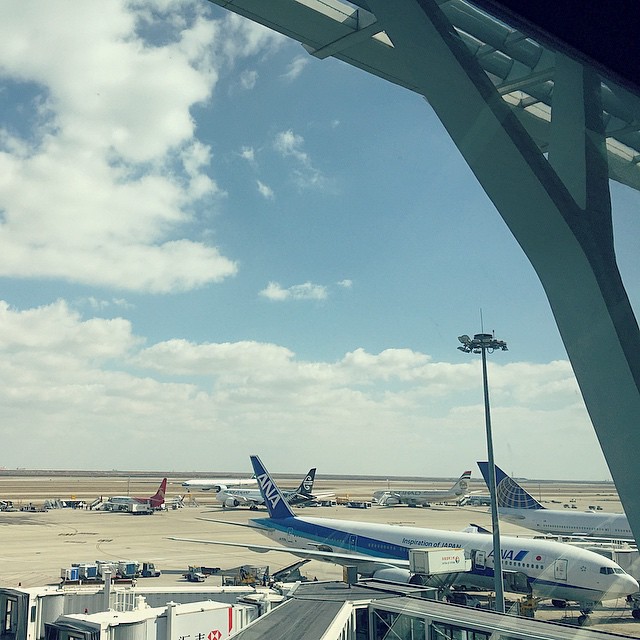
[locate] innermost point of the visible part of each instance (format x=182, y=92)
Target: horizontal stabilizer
x=236, y=524
x=478, y=529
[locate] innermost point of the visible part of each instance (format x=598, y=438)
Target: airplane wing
x=314, y=496
x=588, y=537
x=370, y=562
x=235, y=524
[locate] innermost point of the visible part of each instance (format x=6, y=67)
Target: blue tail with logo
x=509, y=493
x=276, y=504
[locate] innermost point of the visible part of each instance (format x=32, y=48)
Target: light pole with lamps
x=481, y=343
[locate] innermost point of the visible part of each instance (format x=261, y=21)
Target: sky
x=214, y=245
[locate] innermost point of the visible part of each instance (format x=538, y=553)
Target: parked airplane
x=424, y=497
x=516, y=505
x=252, y=498
x=217, y=484
x=549, y=569
x=121, y=503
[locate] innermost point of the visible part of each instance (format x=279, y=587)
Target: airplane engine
x=391, y=501
x=393, y=574
x=231, y=502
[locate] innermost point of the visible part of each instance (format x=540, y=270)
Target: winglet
x=276, y=504
x=509, y=493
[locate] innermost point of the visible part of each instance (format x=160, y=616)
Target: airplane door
x=290, y=536
x=560, y=569
x=479, y=559
x=353, y=543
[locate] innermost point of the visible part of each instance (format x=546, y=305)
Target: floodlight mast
x=481, y=343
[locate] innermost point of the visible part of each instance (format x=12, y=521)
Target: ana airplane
x=217, y=484
x=252, y=498
x=549, y=569
x=424, y=497
x=520, y=507
x=121, y=503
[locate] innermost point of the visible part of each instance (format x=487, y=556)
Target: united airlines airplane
x=520, y=507
x=550, y=569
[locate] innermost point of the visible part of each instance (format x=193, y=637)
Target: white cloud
x=305, y=291
x=295, y=68
x=273, y=291
x=96, y=381
x=264, y=190
x=55, y=331
x=290, y=145
x=243, y=38
x=248, y=79
x=96, y=304
x=102, y=188
x=248, y=154
x=345, y=284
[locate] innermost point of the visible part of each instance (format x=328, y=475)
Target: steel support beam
x=558, y=211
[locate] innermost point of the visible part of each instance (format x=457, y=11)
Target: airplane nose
x=625, y=585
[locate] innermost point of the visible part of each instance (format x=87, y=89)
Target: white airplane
x=217, y=484
x=551, y=569
x=520, y=507
x=424, y=497
x=252, y=498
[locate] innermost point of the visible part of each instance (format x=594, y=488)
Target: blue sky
x=213, y=245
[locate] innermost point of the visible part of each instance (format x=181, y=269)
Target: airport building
x=366, y=610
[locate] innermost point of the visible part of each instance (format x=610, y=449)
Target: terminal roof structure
x=520, y=68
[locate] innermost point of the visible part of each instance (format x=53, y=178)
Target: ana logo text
x=511, y=554
x=269, y=490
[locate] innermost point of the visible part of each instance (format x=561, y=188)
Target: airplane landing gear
x=583, y=619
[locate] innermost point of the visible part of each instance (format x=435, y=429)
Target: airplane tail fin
x=509, y=493
x=276, y=504
x=157, y=500
x=461, y=486
x=306, y=486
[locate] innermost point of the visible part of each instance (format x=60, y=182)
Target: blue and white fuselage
x=517, y=505
x=553, y=570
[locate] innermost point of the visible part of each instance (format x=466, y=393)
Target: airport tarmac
x=36, y=545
